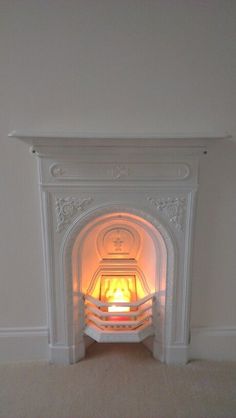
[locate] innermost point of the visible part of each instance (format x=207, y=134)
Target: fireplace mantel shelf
x=75, y=134
x=69, y=138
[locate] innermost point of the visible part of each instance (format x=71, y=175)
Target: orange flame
x=118, y=291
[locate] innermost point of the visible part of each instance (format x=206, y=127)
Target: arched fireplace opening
x=119, y=279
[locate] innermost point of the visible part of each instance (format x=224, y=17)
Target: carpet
x=118, y=381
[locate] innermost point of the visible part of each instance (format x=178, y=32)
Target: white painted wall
x=117, y=66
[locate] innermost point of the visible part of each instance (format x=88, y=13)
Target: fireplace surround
x=117, y=222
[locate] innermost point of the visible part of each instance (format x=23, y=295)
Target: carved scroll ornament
x=67, y=208
x=173, y=208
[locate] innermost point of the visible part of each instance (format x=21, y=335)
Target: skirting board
x=213, y=343
x=31, y=344
x=23, y=344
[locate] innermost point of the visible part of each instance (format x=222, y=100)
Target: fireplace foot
x=177, y=354
x=61, y=354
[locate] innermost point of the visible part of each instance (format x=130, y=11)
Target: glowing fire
x=119, y=296
x=118, y=291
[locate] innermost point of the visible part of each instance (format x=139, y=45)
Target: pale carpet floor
x=118, y=381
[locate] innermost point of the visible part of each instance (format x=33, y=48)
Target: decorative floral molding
x=56, y=170
x=173, y=208
x=119, y=171
x=67, y=207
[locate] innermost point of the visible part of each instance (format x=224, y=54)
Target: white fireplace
x=117, y=220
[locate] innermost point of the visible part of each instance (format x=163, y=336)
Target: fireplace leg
x=79, y=352
x=157, y=350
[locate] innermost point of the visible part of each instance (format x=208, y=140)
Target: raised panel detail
x=76, y=171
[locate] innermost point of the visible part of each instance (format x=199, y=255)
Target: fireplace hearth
x=117, y=221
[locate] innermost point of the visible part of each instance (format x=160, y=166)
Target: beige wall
x=117, y=66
